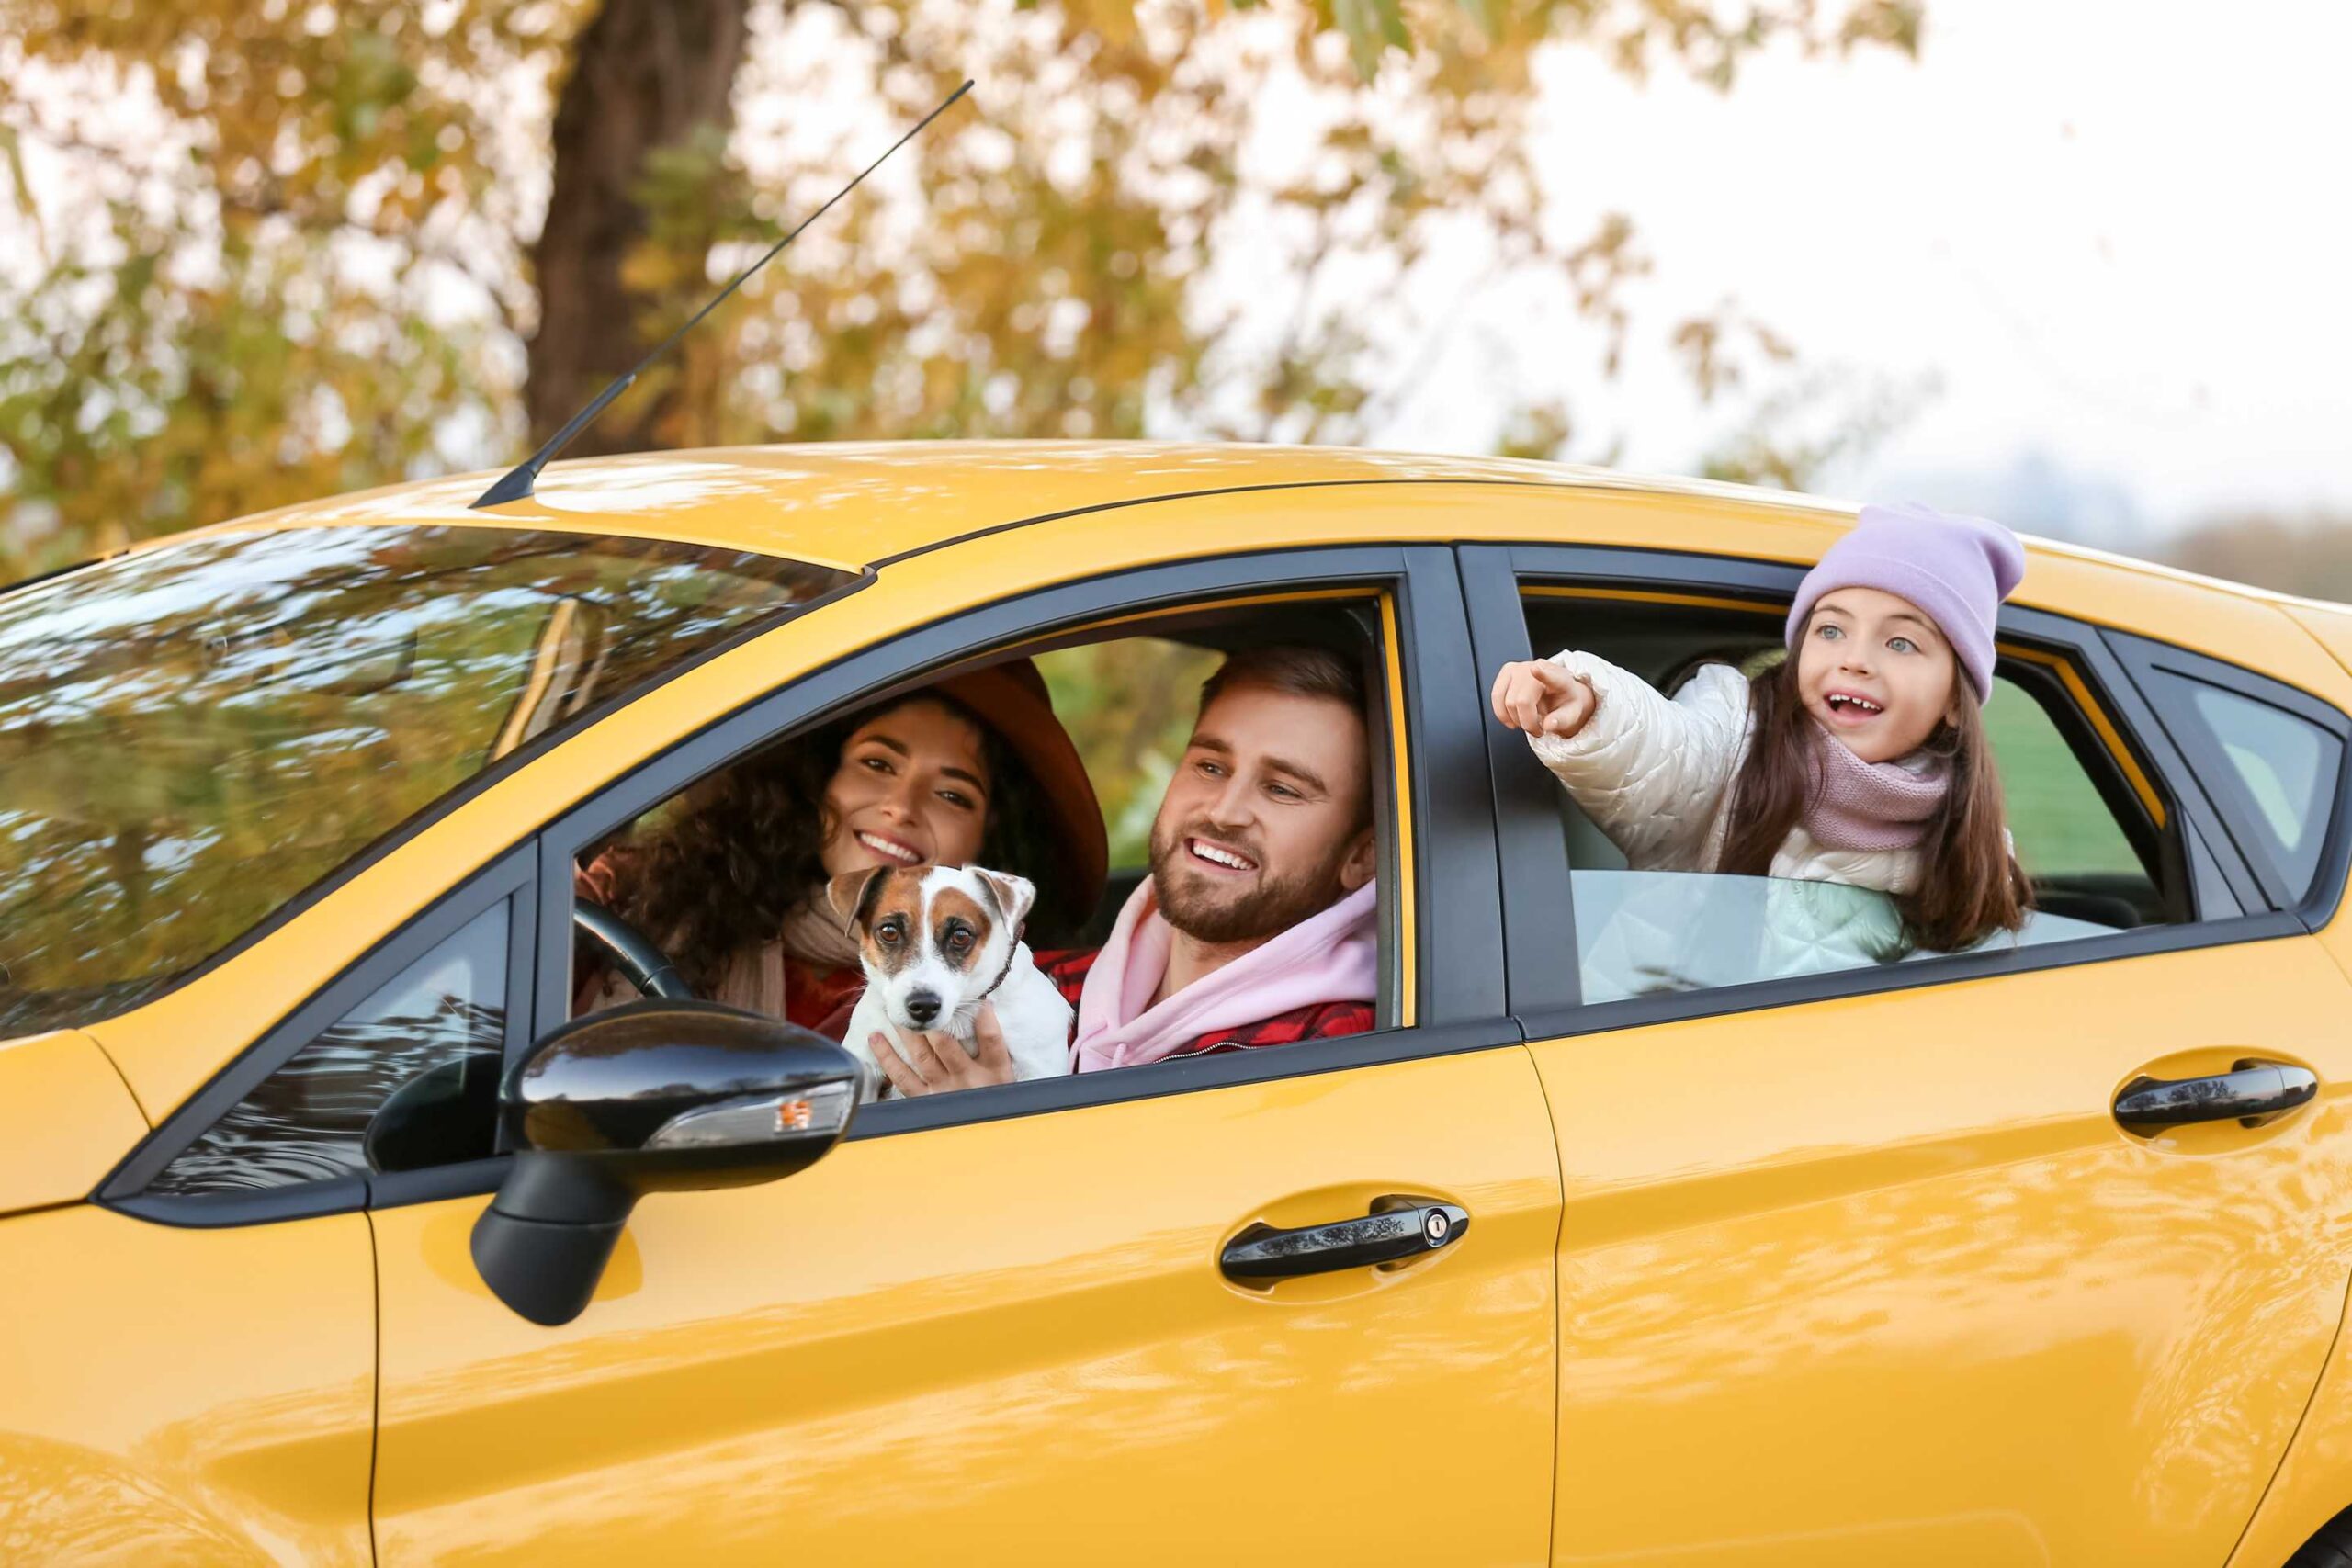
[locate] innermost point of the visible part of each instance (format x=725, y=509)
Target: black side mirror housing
x=442, y=1116
x=657, y=1096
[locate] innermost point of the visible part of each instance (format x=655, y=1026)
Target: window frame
x=2211, y=772
x=511, y=877
x=1546, y=995
x=1454, y=928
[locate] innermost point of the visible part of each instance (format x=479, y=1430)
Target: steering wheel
x=630, y=951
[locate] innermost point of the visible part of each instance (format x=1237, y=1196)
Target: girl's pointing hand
x=1539, y=697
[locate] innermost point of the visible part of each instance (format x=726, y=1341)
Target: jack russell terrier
x=937, y=941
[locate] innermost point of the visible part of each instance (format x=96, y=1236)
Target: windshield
x=193, y=735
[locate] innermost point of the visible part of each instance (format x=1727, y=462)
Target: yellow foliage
x=285, y=251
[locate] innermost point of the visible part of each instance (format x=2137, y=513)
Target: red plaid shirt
x=1067, y=970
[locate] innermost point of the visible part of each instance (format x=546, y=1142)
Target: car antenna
x=517, y=484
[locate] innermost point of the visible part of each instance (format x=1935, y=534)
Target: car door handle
x=2250, y=1090
x=1262, y=1252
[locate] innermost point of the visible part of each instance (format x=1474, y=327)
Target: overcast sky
x=2117, y=236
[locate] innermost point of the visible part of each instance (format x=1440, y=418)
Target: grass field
x=2060, y=823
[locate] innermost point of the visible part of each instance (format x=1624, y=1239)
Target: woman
x=973, y=770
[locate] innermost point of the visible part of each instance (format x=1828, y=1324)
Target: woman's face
x=912, y=789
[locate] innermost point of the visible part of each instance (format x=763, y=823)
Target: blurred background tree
x=267, y=250
x=2310, y=555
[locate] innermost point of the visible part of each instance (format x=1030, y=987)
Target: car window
x=2086, y=840
x=725, y=876
x=1128, y=704
x=308, y=1120
x=2285, y=767
x=192, y=736
x=2064, y=831
x=1644, y=933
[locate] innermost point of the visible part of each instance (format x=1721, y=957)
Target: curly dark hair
x=748, y=845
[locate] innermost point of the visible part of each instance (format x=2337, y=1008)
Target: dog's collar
x=1010, y=953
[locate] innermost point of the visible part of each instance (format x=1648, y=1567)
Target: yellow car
x=1774, y=1255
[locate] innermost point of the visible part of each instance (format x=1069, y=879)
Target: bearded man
x=1257, y=925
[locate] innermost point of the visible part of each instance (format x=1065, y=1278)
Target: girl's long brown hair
x=1970, y=886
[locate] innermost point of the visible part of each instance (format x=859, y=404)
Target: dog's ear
x=1014, y=895
x=852, y=891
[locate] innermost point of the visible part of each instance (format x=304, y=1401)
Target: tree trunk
x=645, y=75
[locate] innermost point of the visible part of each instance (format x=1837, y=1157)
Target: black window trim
x=511, y=876
x=1548, y=1001
x=1457, y=932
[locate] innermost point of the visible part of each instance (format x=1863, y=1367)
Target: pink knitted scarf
x=1330, y=957
x=1855, y=805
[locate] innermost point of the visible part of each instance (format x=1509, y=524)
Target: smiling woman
x=729, y=878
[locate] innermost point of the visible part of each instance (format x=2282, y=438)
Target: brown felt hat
x=1010, y=698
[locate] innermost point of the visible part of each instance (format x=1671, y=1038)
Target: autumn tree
x=264, y=250
x=2309, y=555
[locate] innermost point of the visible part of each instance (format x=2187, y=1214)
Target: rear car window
x=194, y=735
x=2283, y=767
x=2086, y=839
x=2060, y=826
x=1643, y=933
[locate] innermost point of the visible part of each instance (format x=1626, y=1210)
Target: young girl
x=1860, y=759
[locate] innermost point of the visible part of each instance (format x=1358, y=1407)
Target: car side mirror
x=441, y=1116
x=653, y=1096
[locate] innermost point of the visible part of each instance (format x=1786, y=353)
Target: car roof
x=864, y=504
x=859, y=505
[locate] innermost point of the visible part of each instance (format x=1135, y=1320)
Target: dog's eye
x=888, y=933
x=959, y=942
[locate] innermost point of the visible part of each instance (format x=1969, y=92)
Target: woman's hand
x=936, y=1061
x=1538, y=696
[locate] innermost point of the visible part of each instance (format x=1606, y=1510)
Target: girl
x=1860, y=759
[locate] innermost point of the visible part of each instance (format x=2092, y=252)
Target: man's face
x=1264, y=823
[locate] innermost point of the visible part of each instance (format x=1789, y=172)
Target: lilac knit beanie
x=1956, y=568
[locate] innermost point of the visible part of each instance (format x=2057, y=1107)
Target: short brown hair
x=1295, y=668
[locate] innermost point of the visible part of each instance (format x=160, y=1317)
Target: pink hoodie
x=1330, y=958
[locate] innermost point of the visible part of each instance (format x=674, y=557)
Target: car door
x=234, y=889
x=190, y=1360
x=1860, y=1265
x=995, y=1326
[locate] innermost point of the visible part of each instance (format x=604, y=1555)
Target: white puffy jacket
x=1656, y=776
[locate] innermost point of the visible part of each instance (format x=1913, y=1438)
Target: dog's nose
x=923, y=1007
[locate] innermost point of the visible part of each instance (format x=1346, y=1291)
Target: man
x=1258, y=924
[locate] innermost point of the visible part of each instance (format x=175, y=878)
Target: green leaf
x=1371, y=26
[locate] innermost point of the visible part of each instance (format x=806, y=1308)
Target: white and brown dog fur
x=937, y=941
